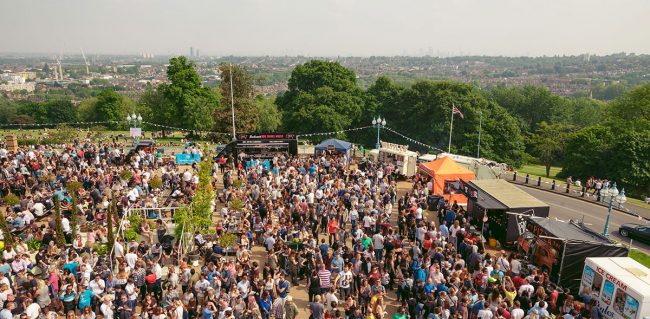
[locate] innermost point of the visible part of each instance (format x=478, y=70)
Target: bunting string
x=56, y=124
x=213, y=132
x=412, y=140
x=335, y=132
x=184, y=129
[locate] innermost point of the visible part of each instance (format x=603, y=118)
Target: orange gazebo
x=444, y=171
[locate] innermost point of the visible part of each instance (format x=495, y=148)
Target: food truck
x=404, y=160
x=620, y=285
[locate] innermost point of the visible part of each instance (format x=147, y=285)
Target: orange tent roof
x=446, y=166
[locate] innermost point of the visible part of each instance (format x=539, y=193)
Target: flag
x=455, y=110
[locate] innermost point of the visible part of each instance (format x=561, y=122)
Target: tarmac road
x=565, y=208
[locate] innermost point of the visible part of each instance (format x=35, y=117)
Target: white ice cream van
x=621, y=286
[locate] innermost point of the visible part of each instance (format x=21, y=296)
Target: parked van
x=620, y=285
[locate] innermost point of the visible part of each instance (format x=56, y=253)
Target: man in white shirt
x=97, y=286
x=517, y=312
x=39, y=209
x=33, y=310
x=526, y=287
x=131, y=258
x=118, y=249
x=368, y=221
x=485, y=313
x=106, y=308
x=269, y=242
x=378, y=244
x=353, y=216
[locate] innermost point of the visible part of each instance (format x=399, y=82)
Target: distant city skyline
x=326, y=27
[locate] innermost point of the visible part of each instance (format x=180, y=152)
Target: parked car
x=636, y=231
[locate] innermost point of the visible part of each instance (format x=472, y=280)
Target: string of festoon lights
x=184, y=129
x=412, y=140
x=56, y=124
x=334, y=132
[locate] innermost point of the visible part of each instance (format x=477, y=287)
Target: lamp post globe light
x=378, y=123
x=134, y=121
x=614, y=196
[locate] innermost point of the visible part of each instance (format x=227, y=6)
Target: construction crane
x=58, y=61
x=85, y=61
x=56, y=68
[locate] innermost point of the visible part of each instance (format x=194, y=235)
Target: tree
x=110, y=235
x=548, y=143
x=246, y=115
x=530, y=104
x=155, y=106
x=633, y=106
x=586, y=152
x=585, y=111
x=630, y=160
x=73, y=187
x=188, y=99
x=197, y=216
x=270, y=117
x=4, y=229
x=423, y=113
x=61, y=111
x=112, y=107
x=58, y=224
x=323, y=96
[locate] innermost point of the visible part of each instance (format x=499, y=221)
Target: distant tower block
x=197, y=53
x=191, y=52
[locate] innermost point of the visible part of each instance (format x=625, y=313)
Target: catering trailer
x=405, y=161
x=620, y=285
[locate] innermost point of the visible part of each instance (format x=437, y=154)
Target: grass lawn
x=540, y=170
x=641, y=257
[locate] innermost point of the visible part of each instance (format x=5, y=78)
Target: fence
x=574, y=191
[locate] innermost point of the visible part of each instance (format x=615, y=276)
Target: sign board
x=187, y=159
x=331, y=147
x=136, y=132
x=266, y=136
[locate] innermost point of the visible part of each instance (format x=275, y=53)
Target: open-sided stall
x=333, y=145
x=445, y=174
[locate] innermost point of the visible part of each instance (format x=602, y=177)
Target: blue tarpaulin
x=187, y=159
x=333, y=144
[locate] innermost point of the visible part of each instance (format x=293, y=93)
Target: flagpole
x=232, y=105
x=451, y=127
x=480, y=123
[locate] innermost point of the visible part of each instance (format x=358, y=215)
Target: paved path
x=565, y=208
x=299, y=293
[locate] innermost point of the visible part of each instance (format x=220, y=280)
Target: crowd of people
x=346, y=235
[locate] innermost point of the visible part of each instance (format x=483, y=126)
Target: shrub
x=126, y=175
x=238, y=183
x=236, y=204
x=73, y=186
x=34, y=245
x=136, y=222
x=11, y=199
x=155, y=182
x=227, y=240
x=130, y=234
x=101, y=249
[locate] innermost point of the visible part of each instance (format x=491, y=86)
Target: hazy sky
x=326, y=27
